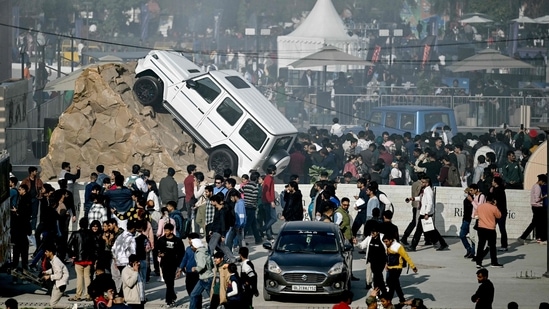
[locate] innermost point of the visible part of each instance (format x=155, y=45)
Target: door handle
x=200, y=110
x=223, y=133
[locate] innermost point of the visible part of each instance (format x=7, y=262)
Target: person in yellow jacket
x=396, y=255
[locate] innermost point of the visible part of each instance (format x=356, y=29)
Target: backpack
x=453, y=177
x=186, y=228
x=179, y=223
x=133, y=186
x=251, y=286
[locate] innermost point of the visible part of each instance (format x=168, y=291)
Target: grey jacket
x=204, y=263
x=168, y=190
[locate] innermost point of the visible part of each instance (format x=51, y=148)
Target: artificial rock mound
x=106, y=125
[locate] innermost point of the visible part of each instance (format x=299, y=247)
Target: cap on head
x=197, y=243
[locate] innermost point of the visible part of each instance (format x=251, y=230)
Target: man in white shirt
x=336, y=128
x=426, y=211
x=58, y=274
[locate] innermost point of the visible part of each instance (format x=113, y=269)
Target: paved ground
x=445, y=280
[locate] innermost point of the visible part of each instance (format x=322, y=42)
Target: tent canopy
x=488, y=59
x=476, y=20
x=323, y=26
x=329, y=55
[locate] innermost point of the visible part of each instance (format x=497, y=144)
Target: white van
x=228, y=116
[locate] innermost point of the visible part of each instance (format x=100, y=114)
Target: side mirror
x=191, y=84
x=268, y=245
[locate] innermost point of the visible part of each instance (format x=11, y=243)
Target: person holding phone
x=132, y=284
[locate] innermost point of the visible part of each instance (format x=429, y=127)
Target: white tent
x=323, y=26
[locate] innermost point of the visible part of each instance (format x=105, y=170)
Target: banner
x=426, y=52
x=375, y=58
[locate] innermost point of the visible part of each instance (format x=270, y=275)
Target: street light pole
x=545, y=128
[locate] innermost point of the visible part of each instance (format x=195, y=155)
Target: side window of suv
x=253, y=134
x=229, y=111
x=207, y=89
x=407, y=121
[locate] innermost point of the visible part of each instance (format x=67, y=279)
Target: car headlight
x=336, y=269
x=273, y=267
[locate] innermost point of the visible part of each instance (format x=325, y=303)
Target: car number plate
x=305, y=288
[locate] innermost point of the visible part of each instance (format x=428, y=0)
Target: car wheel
x=221, y=159
x=266, y=296
x=148, y=90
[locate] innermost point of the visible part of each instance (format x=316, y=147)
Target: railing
x=27, y=143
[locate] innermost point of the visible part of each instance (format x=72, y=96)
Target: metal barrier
x=27, y=143
x=354, y=109
x=409, y=99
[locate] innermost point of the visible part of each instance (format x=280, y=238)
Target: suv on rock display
x=238, y=127
x=307, y=258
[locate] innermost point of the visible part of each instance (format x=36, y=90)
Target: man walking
x=187, y=264
x=426, y=211
x=360, y=206
x=34, y=184
x=58, y=274
x=343, y=219
x=538, y=196
x=219, y=228
x=376, y=257
x=396, y=255
x=498, y=192
x=204, y=268
x=488, y=213
x=250, y=190
x=170, y=251
x=416, y=191
x=268, y=200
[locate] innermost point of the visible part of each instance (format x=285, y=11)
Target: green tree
x=115, y=18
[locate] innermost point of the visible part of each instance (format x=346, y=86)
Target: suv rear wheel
x=221, y=159
x=148, y=90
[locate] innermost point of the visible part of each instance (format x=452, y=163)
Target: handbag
x=428, y=224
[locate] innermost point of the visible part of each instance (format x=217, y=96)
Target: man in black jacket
x=80, y=249
x=484, y=296
x=361, y=216
x=170, y=250
x=293, y=203
x=220, y=228
x=21, y=227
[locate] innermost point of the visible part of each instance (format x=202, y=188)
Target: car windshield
x=307, y=242
x=433, y=118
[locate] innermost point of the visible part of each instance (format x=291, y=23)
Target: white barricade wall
x=448, y=209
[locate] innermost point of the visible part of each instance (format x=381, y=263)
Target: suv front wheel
x=148, y=90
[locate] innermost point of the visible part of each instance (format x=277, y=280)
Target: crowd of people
x=131, y=229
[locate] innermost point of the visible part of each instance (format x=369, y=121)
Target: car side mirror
x=347, y=246
x=191, y=84
x=268, y=245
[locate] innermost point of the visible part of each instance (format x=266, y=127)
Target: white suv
x=230, y=118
